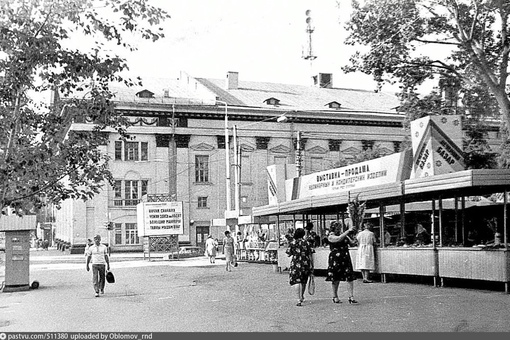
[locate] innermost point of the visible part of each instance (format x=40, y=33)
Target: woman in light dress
x=228, y=250
x=365, y=260
x=210, y=249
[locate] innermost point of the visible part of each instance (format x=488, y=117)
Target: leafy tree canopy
x=411, y=41
x=40, y=162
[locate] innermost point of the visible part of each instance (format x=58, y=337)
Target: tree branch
x=437, y=42
x=475, y=19
x=505, y=43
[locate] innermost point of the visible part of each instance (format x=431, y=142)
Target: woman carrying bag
x=301, y=264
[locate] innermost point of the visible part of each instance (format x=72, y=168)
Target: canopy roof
x=456, y=184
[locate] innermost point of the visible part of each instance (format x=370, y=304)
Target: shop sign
x=387, y=169
x=437, y=145
x=160, y=218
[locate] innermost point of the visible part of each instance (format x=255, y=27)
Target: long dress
x=210, y=247
x=339, y=262
x=365, y=258
x=300, y=266
x=228, y=249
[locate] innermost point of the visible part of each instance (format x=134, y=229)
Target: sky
x=263, y=40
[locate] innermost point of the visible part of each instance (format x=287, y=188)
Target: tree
x=403, y=38
x=41, y=162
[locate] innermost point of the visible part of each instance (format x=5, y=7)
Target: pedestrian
x=339, y=260
x=301, y=263
x=98, y=255
x=87, y=246
x=228, y=250
x=210, y=249
x=365, y=259
x=238, y=245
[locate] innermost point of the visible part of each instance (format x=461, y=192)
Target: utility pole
x=172, y=161
x=299, y=156
x=237, y=174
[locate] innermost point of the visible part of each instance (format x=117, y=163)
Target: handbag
x=109, y=277
x=311, y=284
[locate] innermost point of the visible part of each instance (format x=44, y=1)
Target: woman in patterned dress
x=339, y=262
x=301, y=264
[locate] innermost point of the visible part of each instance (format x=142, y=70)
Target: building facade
x=178, y=147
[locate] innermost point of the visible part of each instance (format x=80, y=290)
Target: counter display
x=442, y=262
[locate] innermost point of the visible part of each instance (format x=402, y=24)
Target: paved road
x=191, y=295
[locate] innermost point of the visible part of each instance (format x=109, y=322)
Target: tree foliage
x=403, y=38
x=40, y=161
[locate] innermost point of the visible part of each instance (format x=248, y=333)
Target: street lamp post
x=227, y=158
x=237, y=174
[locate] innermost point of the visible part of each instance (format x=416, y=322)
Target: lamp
x=227, y=155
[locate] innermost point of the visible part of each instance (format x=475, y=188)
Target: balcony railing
x=119, y=202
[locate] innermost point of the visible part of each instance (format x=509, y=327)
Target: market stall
x=443, y=234
x=435, y=260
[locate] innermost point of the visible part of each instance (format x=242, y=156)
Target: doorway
x=202, y=232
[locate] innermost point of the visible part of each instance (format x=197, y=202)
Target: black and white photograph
x=277, y=167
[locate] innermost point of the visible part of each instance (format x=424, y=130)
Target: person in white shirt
x=98, y=255
x=87, y=246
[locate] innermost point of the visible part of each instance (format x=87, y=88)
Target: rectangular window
x=131, y=151
x=145, y=184
x=131, y=192
x=118, y=233
x=201, y=169
x=131, y=234
x=202, y=202
x=144, y=152
x=117, y=193
x=118, y=150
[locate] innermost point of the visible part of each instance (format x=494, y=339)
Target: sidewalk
x=192, y=295
x=54, y=255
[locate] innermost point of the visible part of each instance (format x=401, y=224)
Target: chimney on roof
x=232, y=80
x=326, y=80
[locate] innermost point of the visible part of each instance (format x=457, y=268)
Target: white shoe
x=97, y=295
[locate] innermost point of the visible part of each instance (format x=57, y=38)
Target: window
x=131, y=234
x=118, y=150
x=118, y=233
x=144, y=151
x=117, y=193
x=132, y=151
x=202, y=202
x=133, y=192
x=201, y=169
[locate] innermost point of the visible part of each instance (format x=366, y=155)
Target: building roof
x=255, y=94
x=250, y=94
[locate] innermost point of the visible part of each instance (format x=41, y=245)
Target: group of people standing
x=230, y=249
x=340, y=266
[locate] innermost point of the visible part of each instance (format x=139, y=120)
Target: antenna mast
x=309, y=51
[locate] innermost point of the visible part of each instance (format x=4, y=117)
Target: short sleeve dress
x=300, y=265
x=339, y=262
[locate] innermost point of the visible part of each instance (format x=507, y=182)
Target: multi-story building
x=178, y=147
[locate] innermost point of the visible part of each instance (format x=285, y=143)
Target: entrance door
x=202, y=232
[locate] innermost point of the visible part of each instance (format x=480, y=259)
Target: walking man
x=98, y=255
